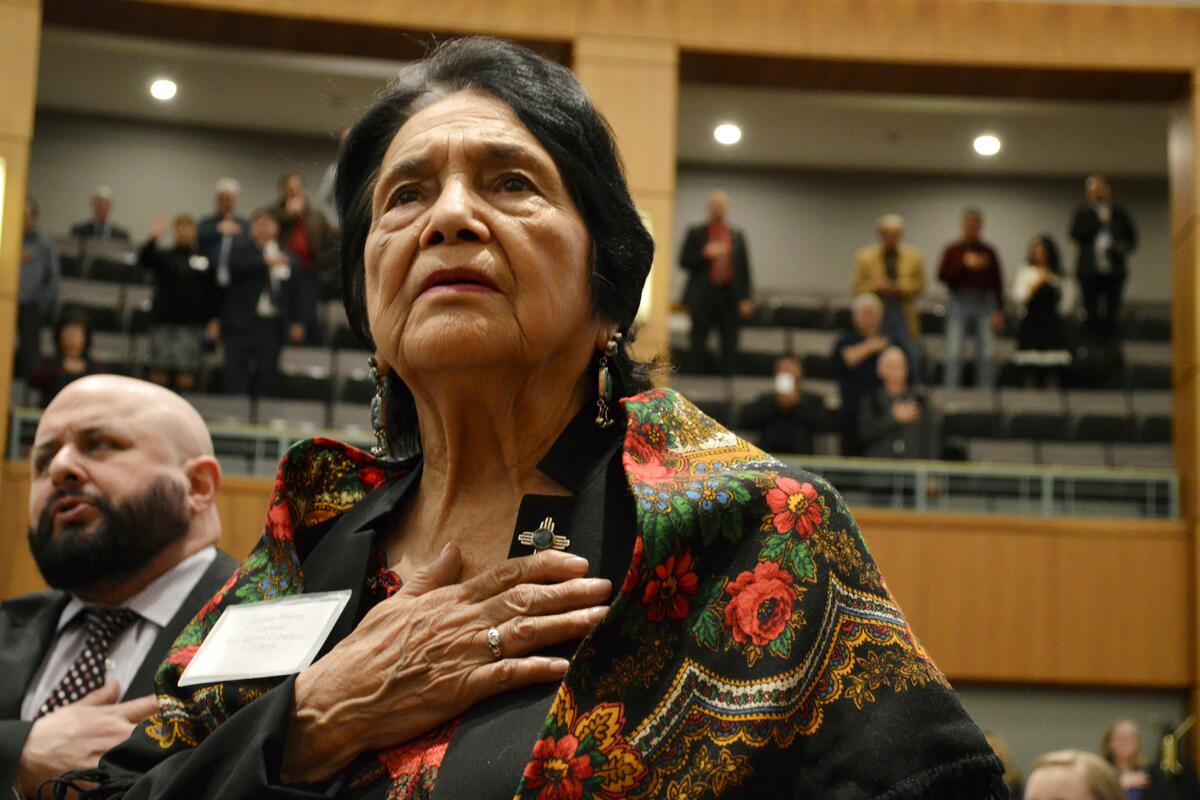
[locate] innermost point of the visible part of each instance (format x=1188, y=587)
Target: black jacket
x=248, y=279
x=1086, y=226
x=183, y=293
x=789, y=431
x=692, y=259
x=90, y=230
x=27, y=625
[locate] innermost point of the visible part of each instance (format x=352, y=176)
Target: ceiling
x=318, y=95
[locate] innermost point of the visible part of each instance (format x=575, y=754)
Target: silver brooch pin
x=544, y=537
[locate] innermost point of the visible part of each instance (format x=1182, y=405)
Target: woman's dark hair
x=549, y=101
x=74, y=316
x=1052, y=258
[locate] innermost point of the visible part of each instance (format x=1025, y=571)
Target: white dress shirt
x=155, y=606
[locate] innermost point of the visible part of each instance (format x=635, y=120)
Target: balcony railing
x=916, y=485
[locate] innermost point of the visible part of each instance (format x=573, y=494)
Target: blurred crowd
x=252, y=283
x=878, y=361
x=1119, y=771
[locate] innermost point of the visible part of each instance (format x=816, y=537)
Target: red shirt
x=720, y=269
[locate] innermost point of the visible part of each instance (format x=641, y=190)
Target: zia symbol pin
x=544, y=537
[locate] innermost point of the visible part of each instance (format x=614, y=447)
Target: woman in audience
x=1121, y=746
x=1037, y=292
x=495, y=260
x=1012, y=775
x=1072, y=775
x=72, y=359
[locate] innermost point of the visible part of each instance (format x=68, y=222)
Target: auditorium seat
x=933, y=321
x=221, y=407
x=305, y=415
x=1144, y=456
x=817, y=366
x=91, y=293
x=796, y=316
x=1150, y=402
x=296, y=359
x=1012, y=451
x=1153, y=328
x=756, y=363
x=308, y=384
x=351, y=416
x=1038, y=426
x=1073, y=454
x=1155, y=429
x=1140, y=377
x=356, y=388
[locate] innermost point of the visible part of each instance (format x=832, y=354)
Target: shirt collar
x=162, y=597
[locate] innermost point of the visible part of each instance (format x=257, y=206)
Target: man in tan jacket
x=896, y=272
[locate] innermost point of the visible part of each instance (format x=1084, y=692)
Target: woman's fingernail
x=577, y=562
x=596, y=614
x=599, y=586
x=559, y=666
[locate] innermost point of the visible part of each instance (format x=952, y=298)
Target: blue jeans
x=970, y=311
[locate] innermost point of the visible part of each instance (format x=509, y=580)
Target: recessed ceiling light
x=987, y=144
x=727, y=133
x=163, y=89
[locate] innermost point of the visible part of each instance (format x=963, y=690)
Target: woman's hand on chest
x=422, y=657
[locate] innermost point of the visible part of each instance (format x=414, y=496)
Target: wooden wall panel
x=932, y=31
x=1026, y=600
x=635, y=85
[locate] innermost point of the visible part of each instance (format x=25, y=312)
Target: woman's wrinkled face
x=476, y=256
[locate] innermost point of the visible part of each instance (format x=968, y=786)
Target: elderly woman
x=494, y=258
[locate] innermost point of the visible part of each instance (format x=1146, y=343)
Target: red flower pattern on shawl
x=556, y=772
x=794, y=506
x=760, y=604
x=635, y=568
x=667, y=592
x=643, y=454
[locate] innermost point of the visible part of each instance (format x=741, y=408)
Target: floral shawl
x=753, y=645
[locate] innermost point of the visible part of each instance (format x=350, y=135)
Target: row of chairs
x=1142, y=321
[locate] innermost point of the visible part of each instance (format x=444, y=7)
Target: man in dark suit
x=123, y=523
x=259, y=308
x=718, y=289
x=1106, y=235
x=100, y=226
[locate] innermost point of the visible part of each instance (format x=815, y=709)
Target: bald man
x=123, y=526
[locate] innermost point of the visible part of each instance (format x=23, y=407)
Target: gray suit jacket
x=27, y=625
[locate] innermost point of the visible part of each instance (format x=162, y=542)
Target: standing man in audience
x=1106, y=235
x=788, y=418
x=123, y=527
x=718, y=288
x=185, y=301
x=215, y=237
x=306, y=234
x=37, y=292
x=895, y=273
x=101, y=226
x=258, y=308
x=854, y=359
x=971, y=271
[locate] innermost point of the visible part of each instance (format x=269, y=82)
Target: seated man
x=894, y=421
x=123, y=522
x=788, y=418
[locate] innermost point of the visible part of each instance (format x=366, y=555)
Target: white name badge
x=265, y=640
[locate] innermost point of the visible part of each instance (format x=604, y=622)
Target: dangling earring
x=604, y=394
x=378, y=403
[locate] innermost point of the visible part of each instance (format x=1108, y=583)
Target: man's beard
x=125, y=539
